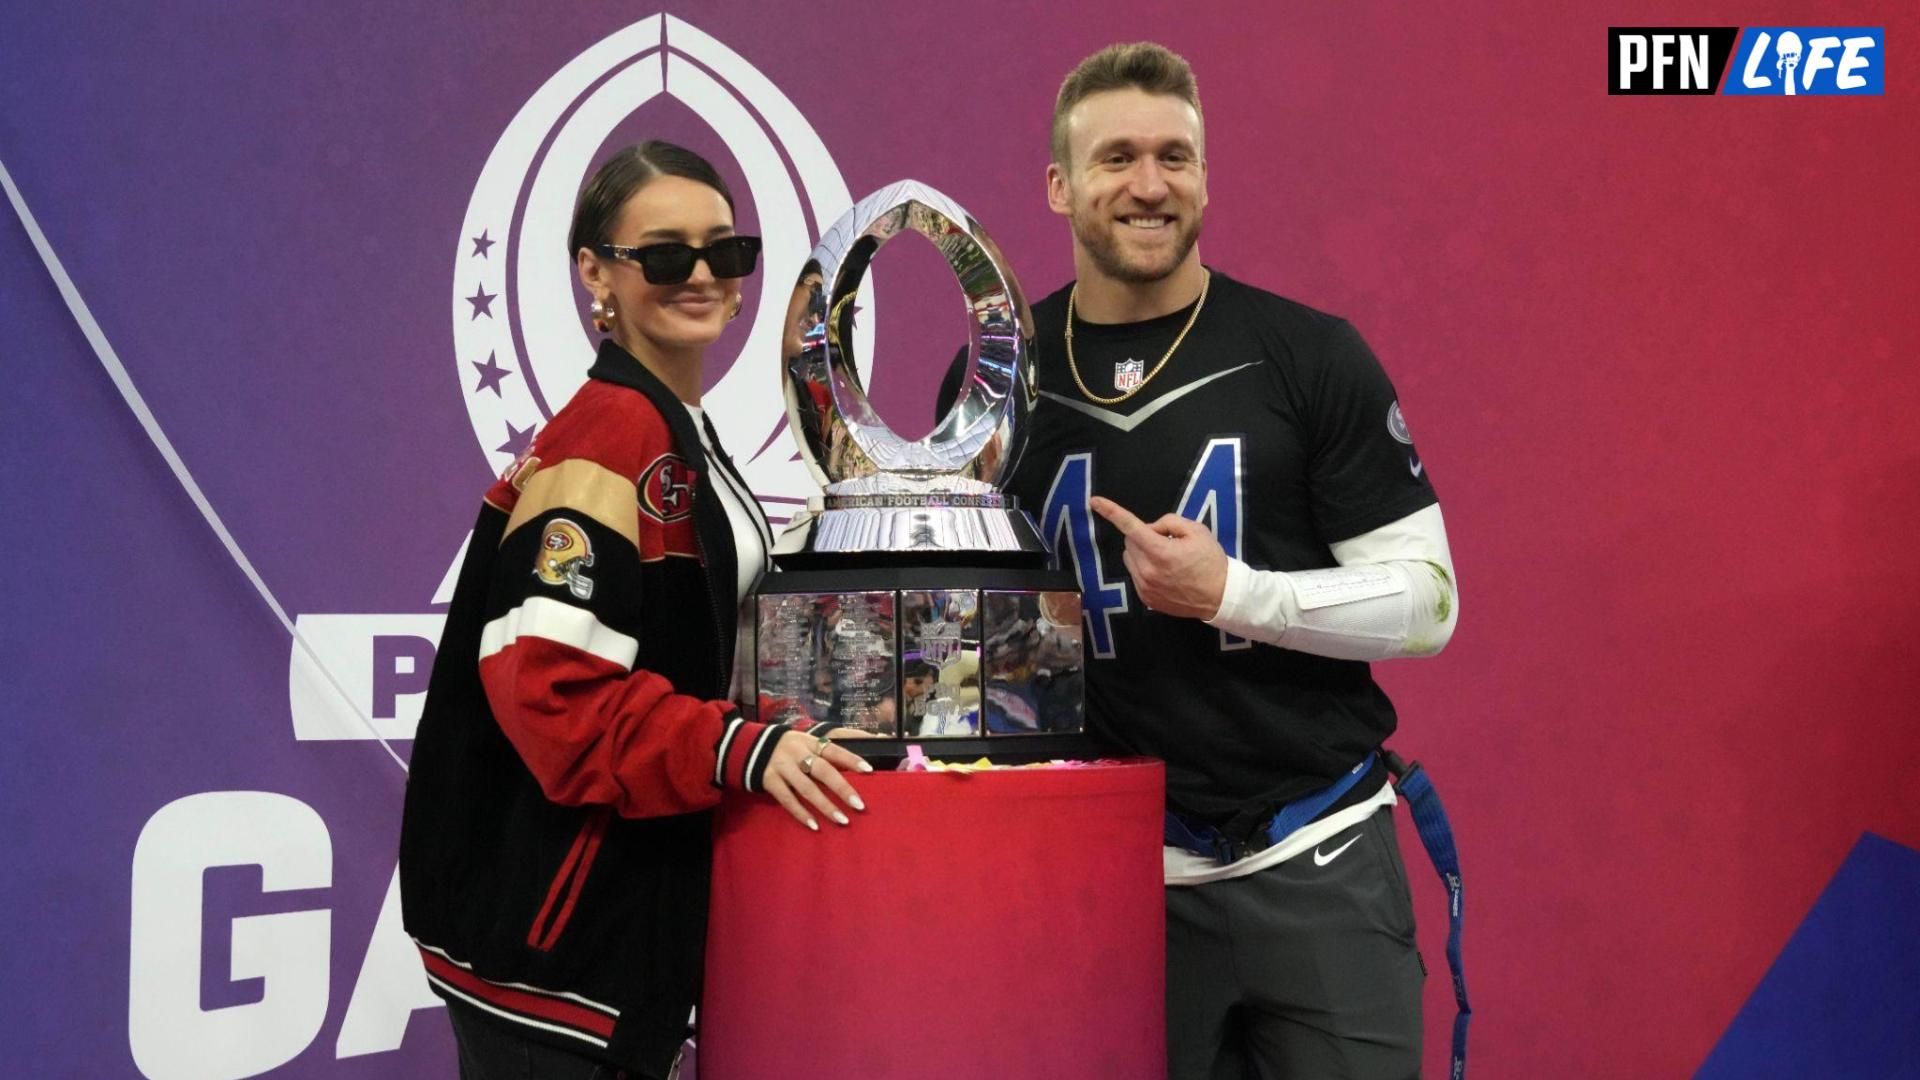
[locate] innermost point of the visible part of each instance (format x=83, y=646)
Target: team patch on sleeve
x=665, y=492
x=521, y=470
x=666, y=489
x=1397, y=425
x=564, y=557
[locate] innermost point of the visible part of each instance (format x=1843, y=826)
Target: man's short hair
x=1140, y=65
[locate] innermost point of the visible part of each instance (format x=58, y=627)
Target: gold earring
x=603, y=316
x=737, y=303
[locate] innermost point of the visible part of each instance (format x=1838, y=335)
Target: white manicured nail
x=840, y=817
x=855, y=801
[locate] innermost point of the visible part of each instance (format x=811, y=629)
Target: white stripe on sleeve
x=726, y=743
x=543, y=617
x=753, y=759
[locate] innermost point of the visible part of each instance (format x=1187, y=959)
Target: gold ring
x=821, y=746
x=806, y=764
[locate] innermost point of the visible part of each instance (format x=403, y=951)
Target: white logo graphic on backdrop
x=519, y=346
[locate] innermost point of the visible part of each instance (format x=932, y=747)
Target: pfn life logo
x=1789, y=61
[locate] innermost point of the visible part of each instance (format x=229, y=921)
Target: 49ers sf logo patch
x=666, y=489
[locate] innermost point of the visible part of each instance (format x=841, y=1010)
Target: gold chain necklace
x=1142, y=385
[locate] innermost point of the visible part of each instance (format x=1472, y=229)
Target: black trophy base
x=967, y=661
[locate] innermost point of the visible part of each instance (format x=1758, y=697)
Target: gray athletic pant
x=1302, y=971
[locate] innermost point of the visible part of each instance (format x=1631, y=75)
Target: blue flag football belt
x=1429, y=820
x=1210, y=843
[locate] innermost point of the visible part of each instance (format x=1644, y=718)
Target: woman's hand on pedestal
x=803, y=765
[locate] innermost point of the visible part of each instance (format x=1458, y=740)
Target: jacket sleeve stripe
x=756, y=768
x=726, y=743
x=554, y=620
x=743, y=757
x=584, y=487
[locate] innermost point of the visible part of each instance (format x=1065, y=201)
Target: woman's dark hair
x=627, y=172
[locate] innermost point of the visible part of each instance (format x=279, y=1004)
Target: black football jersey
x=1275, y=426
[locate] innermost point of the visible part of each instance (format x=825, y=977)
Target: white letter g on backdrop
x=170, y=1034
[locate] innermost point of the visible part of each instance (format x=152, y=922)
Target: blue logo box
x=1795, y=60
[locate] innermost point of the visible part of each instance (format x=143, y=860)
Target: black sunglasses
x=672, y=263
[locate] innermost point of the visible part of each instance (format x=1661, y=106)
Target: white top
x=751, y=536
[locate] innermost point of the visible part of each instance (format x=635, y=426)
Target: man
x=1230, y=476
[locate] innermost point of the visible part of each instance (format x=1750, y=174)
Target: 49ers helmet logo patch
x=564, y=556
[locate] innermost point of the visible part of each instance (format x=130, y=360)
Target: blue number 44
x=1214, y=497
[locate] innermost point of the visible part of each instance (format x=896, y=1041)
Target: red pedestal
x=1003, y=924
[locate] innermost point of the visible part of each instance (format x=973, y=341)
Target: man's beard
x=1103, y=246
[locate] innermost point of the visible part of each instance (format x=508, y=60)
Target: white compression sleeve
x=1392, y=595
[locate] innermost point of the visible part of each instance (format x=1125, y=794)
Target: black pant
x=1302, y=971
x=493, y=1051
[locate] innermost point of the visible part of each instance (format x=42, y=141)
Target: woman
x=555, y=848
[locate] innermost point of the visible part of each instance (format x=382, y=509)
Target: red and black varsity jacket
x=555, y=848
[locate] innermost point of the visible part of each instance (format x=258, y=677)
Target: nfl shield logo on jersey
x=1128, y=375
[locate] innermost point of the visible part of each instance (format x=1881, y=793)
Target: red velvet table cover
x=998, y=924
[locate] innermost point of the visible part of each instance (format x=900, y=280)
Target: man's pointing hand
x=1178, y=568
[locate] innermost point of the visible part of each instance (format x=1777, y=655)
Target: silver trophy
x=914, y=599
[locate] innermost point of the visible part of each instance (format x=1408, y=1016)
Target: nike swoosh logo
x=1417, y=466
x=1322, y=860
x=1128, y=423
